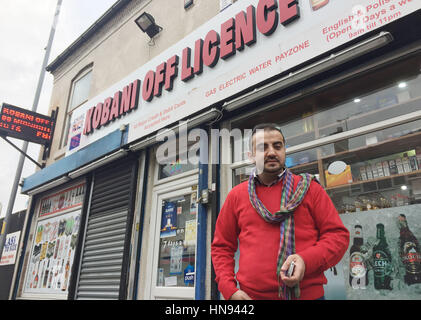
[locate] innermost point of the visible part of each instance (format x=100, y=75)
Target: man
x=277, y=218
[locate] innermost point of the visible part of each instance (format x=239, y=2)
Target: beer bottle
x=382, y=261
x=66, y=276
x=357, y=266
x=44, y=284
x=409, y=252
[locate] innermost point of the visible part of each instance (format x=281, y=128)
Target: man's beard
x=265, y=168
x=273, y=169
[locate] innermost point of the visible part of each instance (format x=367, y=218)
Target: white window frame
x=64, y=140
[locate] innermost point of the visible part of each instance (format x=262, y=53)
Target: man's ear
x=260, y=166
x=251, y=157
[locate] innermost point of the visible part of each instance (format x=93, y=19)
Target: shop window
x=382, y=95
x=177, y=249
x=79, y=94
x=374, y=170
x=54, y=245
x=179, y=166
x=173, y=160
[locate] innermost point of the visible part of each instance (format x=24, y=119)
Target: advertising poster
x=169, y=220
x=176, y=260
x=63, y=200
x=383, y=261
x=52, y=254
x=191, y=234
x=10, y=249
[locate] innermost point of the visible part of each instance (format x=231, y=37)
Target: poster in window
x=169, y=220
x=75, y=132
x=52, y=254
x=176, y=260
x=62, y=201
x=383, y=261
x=190, y=238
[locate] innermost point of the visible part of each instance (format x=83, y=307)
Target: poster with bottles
x=51, y=257
x=61, y=201
x=383, y=260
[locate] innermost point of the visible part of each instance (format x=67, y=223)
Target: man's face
x=268, y=151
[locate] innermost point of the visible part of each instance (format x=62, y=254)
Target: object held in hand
x=290, y=269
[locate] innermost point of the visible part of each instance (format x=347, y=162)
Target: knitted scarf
x=290, y=200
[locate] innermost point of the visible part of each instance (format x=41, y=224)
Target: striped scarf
x=290, y=200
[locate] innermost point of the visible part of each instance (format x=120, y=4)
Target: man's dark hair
x=269, y=126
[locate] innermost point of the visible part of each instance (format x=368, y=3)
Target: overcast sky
x=24, y=30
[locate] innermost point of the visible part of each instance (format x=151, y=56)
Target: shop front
x=113, y=220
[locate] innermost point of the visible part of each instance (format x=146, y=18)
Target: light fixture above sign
x=188, y=4
x=146, y=23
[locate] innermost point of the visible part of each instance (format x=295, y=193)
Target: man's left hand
x=298, y=274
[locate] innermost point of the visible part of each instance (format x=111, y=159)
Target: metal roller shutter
x=102, y=267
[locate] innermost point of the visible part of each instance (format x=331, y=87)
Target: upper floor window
x=79, y=94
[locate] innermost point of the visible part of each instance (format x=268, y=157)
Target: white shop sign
x=318, y=29
x=10, y=249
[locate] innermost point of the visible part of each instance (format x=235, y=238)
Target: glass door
x=174, y=253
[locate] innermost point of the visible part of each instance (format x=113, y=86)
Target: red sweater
x=320, y=239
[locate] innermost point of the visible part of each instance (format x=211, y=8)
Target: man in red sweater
x=312, y=235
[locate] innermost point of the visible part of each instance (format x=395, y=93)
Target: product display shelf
x=354, y=121
x=359, y=154
x=386, y=112
x=379, y=149
x=309, y=167
x=408, y=174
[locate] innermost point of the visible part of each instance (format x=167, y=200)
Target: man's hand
x=298, y=275
x=240, y=295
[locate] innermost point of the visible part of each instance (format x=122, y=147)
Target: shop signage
x=25, y=125
x=10, y=249
x=247, y=43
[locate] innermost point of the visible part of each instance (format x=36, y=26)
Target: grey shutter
x=103, y=268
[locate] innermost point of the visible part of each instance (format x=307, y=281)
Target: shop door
x=174, y=241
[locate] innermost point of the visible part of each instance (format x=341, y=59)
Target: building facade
x=152, y=133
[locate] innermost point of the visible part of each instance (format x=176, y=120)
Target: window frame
x=69, y=109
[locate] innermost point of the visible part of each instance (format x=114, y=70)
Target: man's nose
x=270, y=150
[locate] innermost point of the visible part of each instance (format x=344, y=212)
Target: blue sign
x=189, y=275
x=169, y=220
